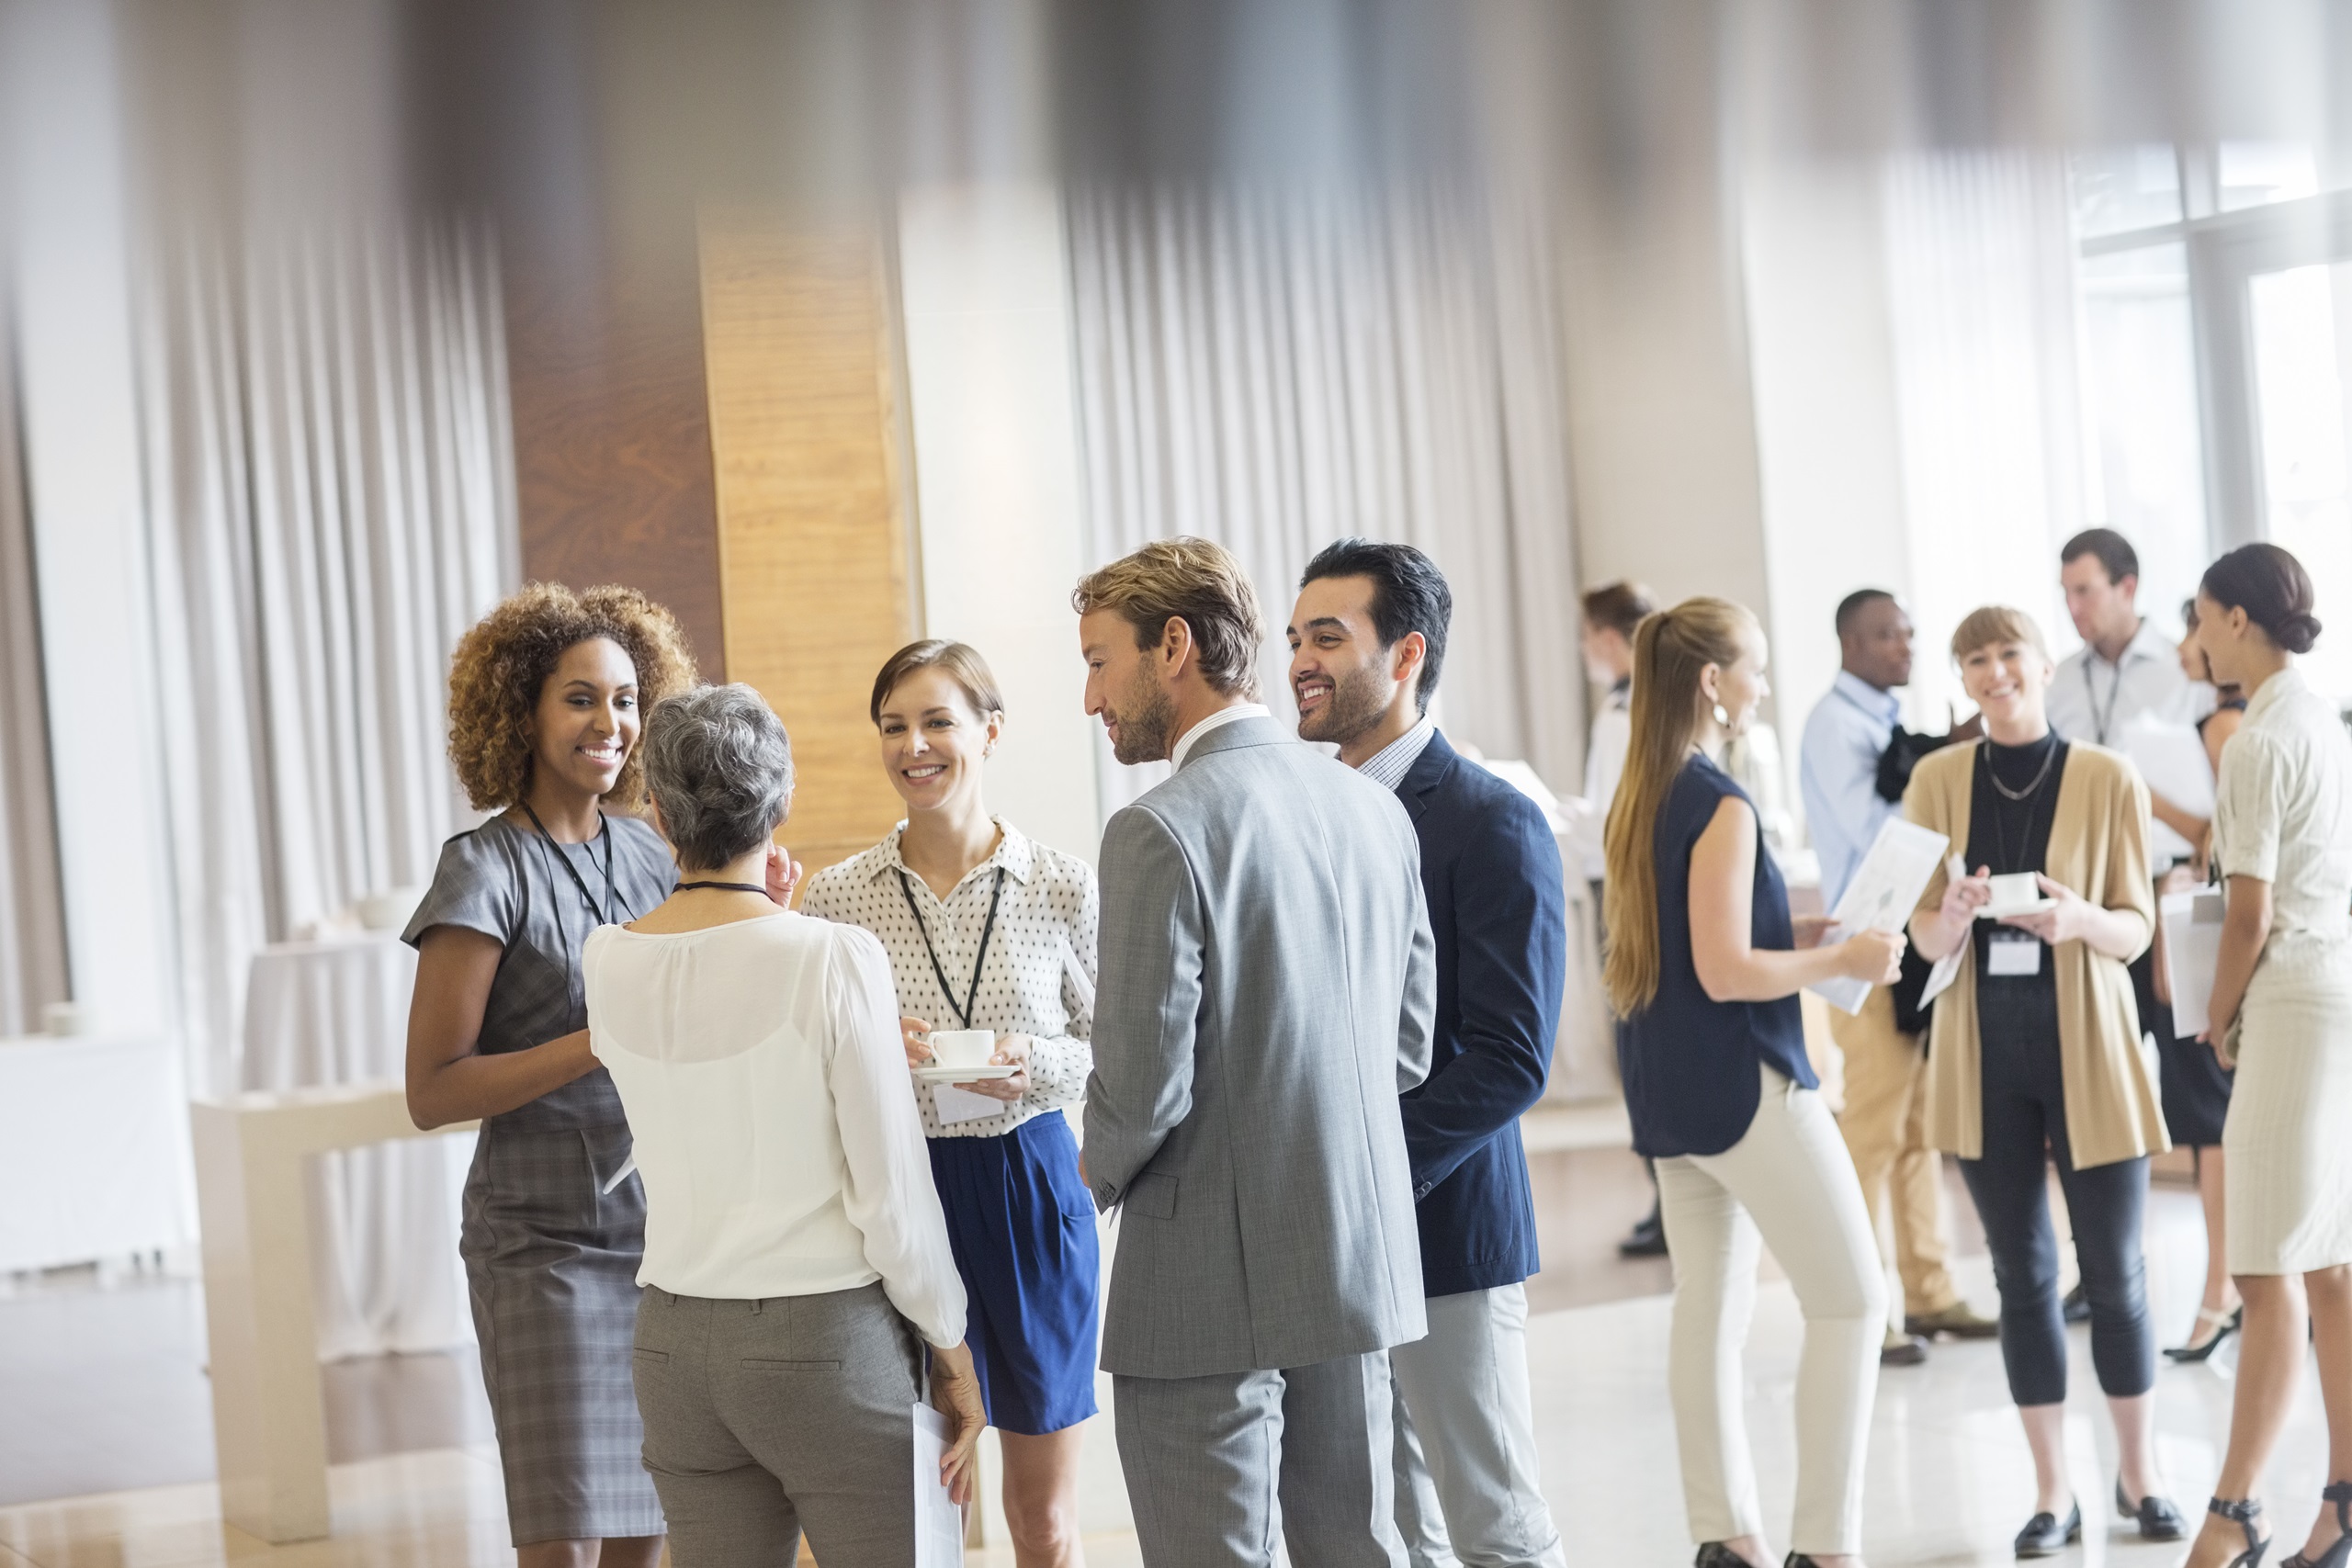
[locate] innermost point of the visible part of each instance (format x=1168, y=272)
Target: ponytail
x=1670, y=649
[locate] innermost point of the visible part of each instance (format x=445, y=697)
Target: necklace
x=2027, y=793
x=723, y=886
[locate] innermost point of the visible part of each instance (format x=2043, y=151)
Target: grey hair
x=720, y=766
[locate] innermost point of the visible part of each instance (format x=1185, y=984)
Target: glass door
x=2299, y=335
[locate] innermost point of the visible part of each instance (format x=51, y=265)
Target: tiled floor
x=1949, y=1481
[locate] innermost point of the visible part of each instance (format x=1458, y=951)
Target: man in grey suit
x=1266, y=989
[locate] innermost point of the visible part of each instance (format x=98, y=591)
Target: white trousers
x=1789, y=1183
x=1468, y=1489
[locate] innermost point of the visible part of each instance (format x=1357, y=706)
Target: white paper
x=1946, y=968
x=956, y=1105
x=1886, y=889
x=2171, y=757
x=2192, y=947
x=939, y=1523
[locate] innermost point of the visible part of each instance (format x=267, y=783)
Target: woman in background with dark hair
x=2281, y=1011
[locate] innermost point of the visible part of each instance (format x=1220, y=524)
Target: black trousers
x=2025, y=1115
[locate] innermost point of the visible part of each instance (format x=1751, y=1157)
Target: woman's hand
x=1964, y=896
x=1011, y=1050
x=2069, y=920
x=955, y=1394
x=911, y=1034
x=782, y=876
x=1810, y=928
x=1874, y=956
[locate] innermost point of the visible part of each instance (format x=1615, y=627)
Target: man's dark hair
x=1409, y=595
x=2114, y=551
x=1619, y=607
x=1851, y=605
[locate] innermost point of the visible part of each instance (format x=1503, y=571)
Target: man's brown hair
x=1619, y=607
x=1194, y=582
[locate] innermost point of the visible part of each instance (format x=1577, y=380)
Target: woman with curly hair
x=545, y=695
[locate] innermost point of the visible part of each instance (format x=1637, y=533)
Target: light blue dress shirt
x=1837, y=776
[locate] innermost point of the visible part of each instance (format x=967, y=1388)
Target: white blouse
x=760, y=1066
x=1037, y=979
x=2283, y=813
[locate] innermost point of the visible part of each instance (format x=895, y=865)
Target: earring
x=1722, y=717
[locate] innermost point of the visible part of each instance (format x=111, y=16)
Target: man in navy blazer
x=1367, y=643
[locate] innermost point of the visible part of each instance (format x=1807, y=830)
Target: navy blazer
x=1490, y=870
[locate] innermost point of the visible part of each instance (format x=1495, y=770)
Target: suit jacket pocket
x=1152, y=1195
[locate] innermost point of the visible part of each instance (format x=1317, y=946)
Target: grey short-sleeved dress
x=551, y=1257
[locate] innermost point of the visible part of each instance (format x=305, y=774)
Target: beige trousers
x=1787, y=1184
x=1885, y=1125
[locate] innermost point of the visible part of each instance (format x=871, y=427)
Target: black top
x=1689, y=1062
x=2013, y=836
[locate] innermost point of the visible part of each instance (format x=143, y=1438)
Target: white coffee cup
x=962, y=1047
x=2014, y=889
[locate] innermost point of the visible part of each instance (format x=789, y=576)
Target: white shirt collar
x=2146, y=643
x=1388, y=766
x=1216, y=720
x=1884, y=704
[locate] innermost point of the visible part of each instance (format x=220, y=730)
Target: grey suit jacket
x=1266, y=991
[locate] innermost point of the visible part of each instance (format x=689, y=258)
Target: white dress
x=2284, y=815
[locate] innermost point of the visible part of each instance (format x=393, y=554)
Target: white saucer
x=966, y=1075
x=1990, y=913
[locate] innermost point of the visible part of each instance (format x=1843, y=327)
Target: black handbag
x=1911, y=1015
x=1903, y=750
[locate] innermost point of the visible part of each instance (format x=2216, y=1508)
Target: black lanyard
x=972, y=995
x=2114, y=694
x=604, y=831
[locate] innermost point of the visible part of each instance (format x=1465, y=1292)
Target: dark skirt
x=2190, y=1080
x=1022, y=1226
x=551, y=1259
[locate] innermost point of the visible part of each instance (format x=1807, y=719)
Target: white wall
x=59, y=94
x=984, y=280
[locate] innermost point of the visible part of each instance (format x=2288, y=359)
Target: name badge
x=2016, y=953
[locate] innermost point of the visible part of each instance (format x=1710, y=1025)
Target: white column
x=61, y=96
x=984, y=279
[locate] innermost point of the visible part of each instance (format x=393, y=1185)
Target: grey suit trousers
x=764, y=1417
x=1468, y=1488
x=1216, y=1464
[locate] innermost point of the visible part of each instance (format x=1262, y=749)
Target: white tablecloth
x=93, y=1151
x=384, y=1227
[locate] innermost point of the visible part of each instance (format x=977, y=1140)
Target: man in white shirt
x=1884, y=1119
x=2125, y=668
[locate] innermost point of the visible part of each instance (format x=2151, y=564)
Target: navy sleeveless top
x=1688, y=1061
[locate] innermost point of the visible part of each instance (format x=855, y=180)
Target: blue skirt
x=1022, y=1225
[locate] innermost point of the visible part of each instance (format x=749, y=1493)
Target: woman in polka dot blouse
x=986, y=929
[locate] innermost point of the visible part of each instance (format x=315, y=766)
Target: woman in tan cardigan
x=2037, y=1042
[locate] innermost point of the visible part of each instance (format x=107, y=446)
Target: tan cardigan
x=2098, y=847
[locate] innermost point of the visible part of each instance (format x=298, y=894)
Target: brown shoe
x=1902, y=1350
x=1959, y=1320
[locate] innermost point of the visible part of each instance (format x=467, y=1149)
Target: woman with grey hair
x=797, y=1262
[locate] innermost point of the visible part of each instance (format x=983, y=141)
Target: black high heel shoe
x=2339, y=1549
x=2230, y=1323
x=2242, y=1512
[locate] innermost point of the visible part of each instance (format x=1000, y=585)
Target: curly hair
x=502, y=662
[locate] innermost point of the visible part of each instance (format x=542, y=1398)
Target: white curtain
x=330, y=505
x=32, y=914
x=1274, y=371
x=1981, y=298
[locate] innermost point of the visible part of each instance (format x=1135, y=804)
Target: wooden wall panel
x=814, y=569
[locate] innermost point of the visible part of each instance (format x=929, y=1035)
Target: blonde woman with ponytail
x=1704, y=965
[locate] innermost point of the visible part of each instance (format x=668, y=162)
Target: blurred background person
x=545, y=699
x=2034, y=1052
x=796, y=1261
x=1611, y=613
x=988, y=929
x=1367, y=639
x=2196, y=1084
x=1704, y=965
x=1840, y=767
x=2283, y=993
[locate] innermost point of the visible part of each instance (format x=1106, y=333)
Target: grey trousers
x=1468, y=1488
x=1215, y=1465
x=764, y=1419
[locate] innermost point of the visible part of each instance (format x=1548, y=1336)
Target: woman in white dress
x=2281, y=1010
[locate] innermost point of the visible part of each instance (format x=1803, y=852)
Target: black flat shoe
x=2046, y=1535
x=1798, y=1559
x=2077, y=1307
x=1716, y=1554
x=2242, y=1512
x=1647, y=1240
x=2339, y=1549
x=2158, y=1519
x=2226, y=1324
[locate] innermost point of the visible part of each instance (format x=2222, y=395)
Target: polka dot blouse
x=1038, y=979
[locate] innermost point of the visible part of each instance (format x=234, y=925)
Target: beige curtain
x=1274, y=371
x=32, y=913
x=330, y=505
